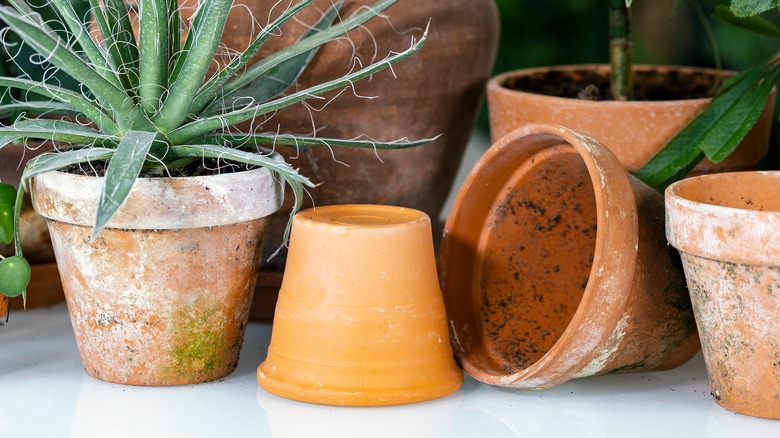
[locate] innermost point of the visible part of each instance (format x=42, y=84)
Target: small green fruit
x=14, y=276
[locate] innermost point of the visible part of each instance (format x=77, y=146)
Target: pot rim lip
x=685, y=217
x=567, y=353
x=229, y=199
x=398, y=217
x=495, y=85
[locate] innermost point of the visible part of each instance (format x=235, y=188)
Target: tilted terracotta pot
x=634, y=131
x=45, y=287
x=360, y=319
x=161, y=297
x=554, y=265
x=727, y=229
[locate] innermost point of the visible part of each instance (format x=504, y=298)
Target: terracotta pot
x=554, y=266
x=162, y=296
x=360, y=319
x=45, y=287
x=436, y=91
x=3, y=306
x=726, y=228
x=634, y=131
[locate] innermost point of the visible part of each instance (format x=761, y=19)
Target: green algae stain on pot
x=198, y=345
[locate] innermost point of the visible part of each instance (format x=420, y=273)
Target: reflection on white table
x=45, y=393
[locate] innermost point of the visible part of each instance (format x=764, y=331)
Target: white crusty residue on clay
x=615, y=340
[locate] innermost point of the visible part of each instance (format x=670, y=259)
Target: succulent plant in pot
x=156, y=205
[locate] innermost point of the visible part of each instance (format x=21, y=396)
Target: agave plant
x=150, y=104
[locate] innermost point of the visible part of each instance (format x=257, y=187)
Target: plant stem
x=620, y=48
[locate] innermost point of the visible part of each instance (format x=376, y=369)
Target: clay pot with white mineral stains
x=726, y=227
x=162, y=295
x=635, y=130
x=554, y=265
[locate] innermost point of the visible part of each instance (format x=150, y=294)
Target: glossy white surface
x=45, y=393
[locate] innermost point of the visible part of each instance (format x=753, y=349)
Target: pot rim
x=718, y=232
x=156, y=203
x=583, y=337
x=496, y=85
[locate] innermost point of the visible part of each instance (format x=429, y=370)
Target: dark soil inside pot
x=589, y=84
x=198, y=167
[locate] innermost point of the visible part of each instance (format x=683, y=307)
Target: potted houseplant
x=157, y=131
x=17, y=60
x=645, y=126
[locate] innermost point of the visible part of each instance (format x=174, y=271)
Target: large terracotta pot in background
x=726, y=227
x=360, y=319
x=45, y=287
x=161, y=297
x=554, y=265
x=634, y=131
x=436, y=91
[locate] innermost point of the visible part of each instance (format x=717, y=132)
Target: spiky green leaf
x=242, y=139
x=154, y=46
x=747, y=8
x=57, y=130
x=113, y=19
x=203, y=126
x=122, y=171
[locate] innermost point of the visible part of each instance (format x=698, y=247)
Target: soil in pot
x=633, y=130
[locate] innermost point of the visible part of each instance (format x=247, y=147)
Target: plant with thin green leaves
x=148, y=105
x=736, y=108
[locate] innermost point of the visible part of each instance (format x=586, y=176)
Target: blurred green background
x=538, y=33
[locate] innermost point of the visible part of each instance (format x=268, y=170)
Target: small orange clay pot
x=360, y=319
x=726, y=228
x=635, y=130
x=3, y=306
x=554, y=266
x=162, y=296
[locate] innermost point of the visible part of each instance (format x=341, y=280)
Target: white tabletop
x=45, y=393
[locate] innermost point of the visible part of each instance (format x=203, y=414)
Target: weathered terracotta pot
x=634, y=131
x=436, y=91
x=45, y=287
x=360, y=319
x=726, y=228
x=554, y=266
x=162, y=296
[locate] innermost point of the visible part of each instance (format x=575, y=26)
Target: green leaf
x=75, y=100
x=60, y=55
x=77, y=28
x=204, y=35
x=754, y=24
x=212, y=88
x=628, y=3
x=122, y=171
x=50, y=162
x=7, y=194
x=113, y=20
x=713, y=124
x=676, y=7
x=282, y=76
x=746, y=8
x=342, y=27
x=203, y=126
x=154, y=46
x=58, y=130
x=239, y=139
x=14, y=276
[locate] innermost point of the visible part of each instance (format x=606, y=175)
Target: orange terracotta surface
x=726, y=228
x=360, y=319
x=3, y=306
x=634, y=131
x=166, y=302
x=554, y=266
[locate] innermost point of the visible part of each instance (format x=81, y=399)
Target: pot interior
x=758, y=191
x=533, y=254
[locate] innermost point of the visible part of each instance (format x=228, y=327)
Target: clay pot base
x=554, y=266
x=725, y=227
x=360, y=319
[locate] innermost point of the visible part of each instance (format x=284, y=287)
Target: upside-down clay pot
x=162, y=295
x=635, y=130
x=360, y=319
x=554, y=265
x=726, y=228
